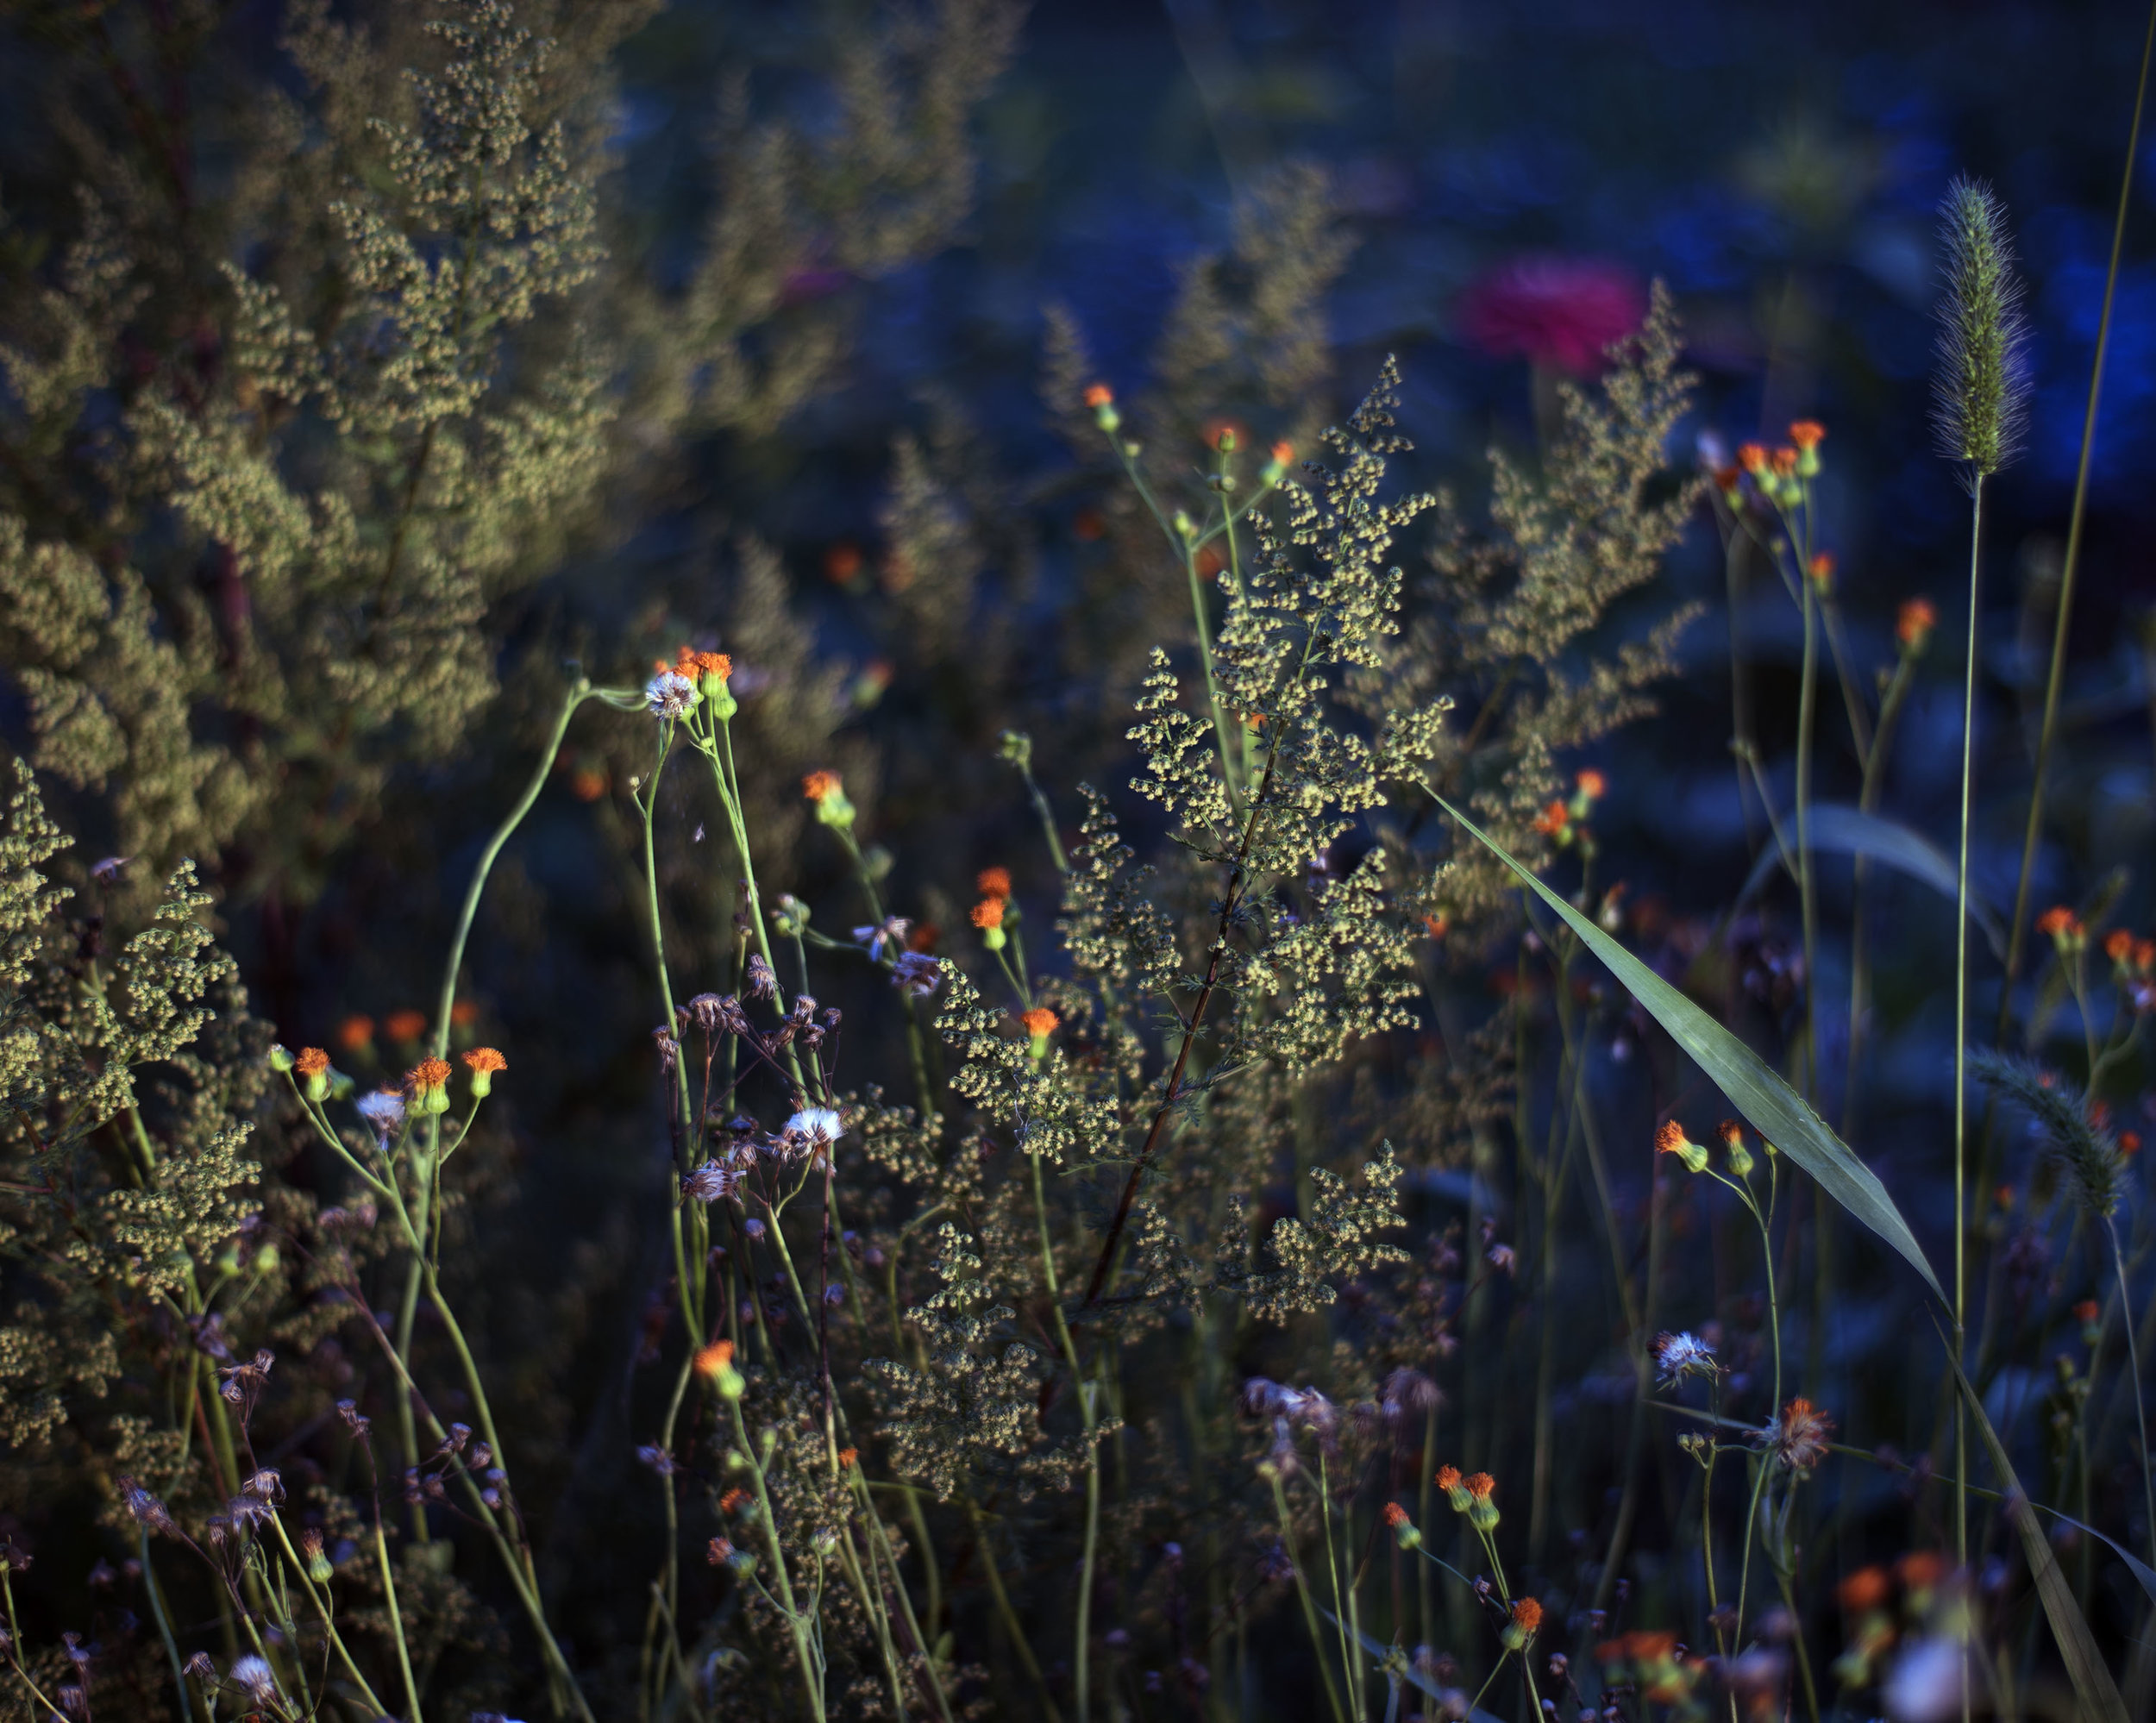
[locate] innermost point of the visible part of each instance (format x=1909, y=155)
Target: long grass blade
x=2096, y=1694
x=1838, y=828
x=1754, y=1088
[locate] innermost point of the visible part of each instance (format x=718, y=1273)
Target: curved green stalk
x=2070, y=567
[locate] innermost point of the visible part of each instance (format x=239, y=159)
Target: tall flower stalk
x=1981, y=401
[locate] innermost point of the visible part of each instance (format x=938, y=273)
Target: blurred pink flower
x=1557, y=311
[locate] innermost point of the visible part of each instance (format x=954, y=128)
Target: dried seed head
x=1980, y=396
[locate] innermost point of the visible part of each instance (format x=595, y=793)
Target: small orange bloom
x=2129, y=1143
x=989, y=913
x=1526, y=1615
x=1807, y=433
x=2118, y=945
x=923, y=936
x=1670, y=1138
x=1593, y=785
x=1753, y=457
x=1865, y=1589
x=693, y=666
x=484, y=1059
x=1822, y=568
x=587, y=783
x=2058, y=922
x=1921, y=1570
x=848, y=1458
x=821, y=787
x=1784, y=461
x=1040, y=1022
x=732, y=1499
x=713, y=1359
x=1553, y=819
x=841, y=562
x=1396, y=1516
x=428, y=1075
x=2087, y=1310
x=311, y=1062
x=1435, y=926
x=1099, y=395
x=1914, y=624
x=1479, y=1485
x=356, y=1031
x=405, y=1026
x=1283, y=452
x=993, y=882
x=464, y=1013
x=1448, y=1478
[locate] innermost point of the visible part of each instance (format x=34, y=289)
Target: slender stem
x=2133, y=1367
x=2047, y=735
x=1961, y=1018
x=1807, y=870
x=1309, y=1608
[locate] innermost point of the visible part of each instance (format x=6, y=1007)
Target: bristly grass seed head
x=1982, y=392
x=2086, y=1149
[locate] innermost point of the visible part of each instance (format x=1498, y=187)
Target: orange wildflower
x=483, y=1063
x=1040, y=1022
x=820, y=786
x=1099, y=395
x=2058, y=922
x=1822, y=568
x=2118, y=945
x=1921, y=1570
x=426, y=1086
x=1448, y=1478
x=1552, y=820
x=1527, y=1614
x=1807, y=433
x=1479, y=1485
x=405, y=1026
x=989, y=913
x=587, y=783
x=311, y=1062
x=1914, y=624
x=464, y=1013
x=1593, y=785
x=848, y=1458
x=1753, y=457
x=1435, y=926
x=1671, y=1140
x=1798, y=1437
x=715, y=1358
x=1865, y=1589
x=841, y=562
x=1394, y=1515
x=2129, y=1143
x=356, y=1031
x=2087, y=1310
x=993, y=882
x=1282, y=454
x=1784, y=461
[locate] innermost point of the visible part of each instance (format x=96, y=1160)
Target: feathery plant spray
x=1982, y=410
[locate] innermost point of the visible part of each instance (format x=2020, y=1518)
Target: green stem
x=1961, y=1017
x=2070, y=567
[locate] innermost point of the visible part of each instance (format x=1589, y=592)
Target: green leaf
x=1837, y=828
x=2098, y=1695
x=1775, y=1110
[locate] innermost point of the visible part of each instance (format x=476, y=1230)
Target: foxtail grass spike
x=1980, y=396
